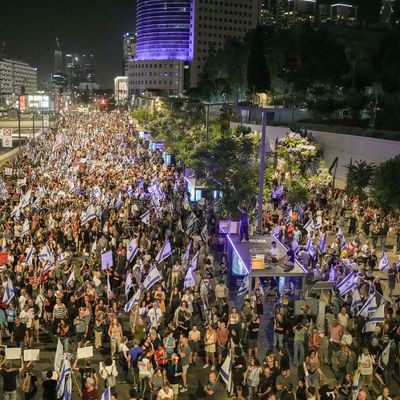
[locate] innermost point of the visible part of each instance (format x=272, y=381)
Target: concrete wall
x=346, y=147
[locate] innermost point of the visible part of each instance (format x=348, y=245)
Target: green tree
x=258, y=78
x=359, y=176
x=385, y=188
x=297, y=192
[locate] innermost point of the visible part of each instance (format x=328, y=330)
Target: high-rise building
x=80, y=71
x=162, y=47
x=212, y=22
x=121, y=89
x=17, y=77
x=301, y=11
x=58, y=61
x=129, y=49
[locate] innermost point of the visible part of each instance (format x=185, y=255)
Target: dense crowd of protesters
x=90, y=186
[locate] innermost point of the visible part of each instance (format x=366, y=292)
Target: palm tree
x=359, y=176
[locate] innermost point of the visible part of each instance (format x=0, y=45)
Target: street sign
x=6, y=137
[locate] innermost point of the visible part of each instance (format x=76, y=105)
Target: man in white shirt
x=155, y=315
x=27, y=316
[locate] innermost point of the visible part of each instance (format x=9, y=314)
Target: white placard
x=7, y=137
x=13, y=353
x=85, y=352
x=107, y=260
x=31, y=355
x=8, y=171
x=21, y=182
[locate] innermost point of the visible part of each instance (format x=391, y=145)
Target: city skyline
x=81, y=27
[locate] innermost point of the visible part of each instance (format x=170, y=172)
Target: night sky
x=29, y=29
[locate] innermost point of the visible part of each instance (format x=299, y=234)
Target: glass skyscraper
x=163, y=30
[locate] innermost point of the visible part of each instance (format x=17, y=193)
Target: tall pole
x=207, y=120
x=19, y=122
x=33, y=124
x=262, y=171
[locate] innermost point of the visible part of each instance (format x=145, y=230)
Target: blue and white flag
x=204, y=233
x=106, y=394
x=355, y=387
x=356, y=302
x=276, y=194
x=25, y=228
x=226, y=372
x=310, y=247
x=119, y=202
x=165, y=252
x=347, y=284
x=191, y=223
x=88, y=215
x=9, y=292
x=383, y=361
x=133, y=301
x=322, y=244
x=277, y=230
x=46, y=254
x=295, y=245
x=369, y=306
x=145, y=218
x=61, y=258
x=152, y=277
x=194, y=261
x=384, y=263
x=64, y=384
x=132, y=250
x=128, y=284
x=70, y=279
x=130, y=191
x=29, y=255
x=377, y=317
x=309, y=225
x=189, y=279
x=186, y=256
x=343, y=242
x=244, y=287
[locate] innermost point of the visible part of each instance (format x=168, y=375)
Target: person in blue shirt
x=134, y=353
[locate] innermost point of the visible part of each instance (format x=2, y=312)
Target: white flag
x=25, y=228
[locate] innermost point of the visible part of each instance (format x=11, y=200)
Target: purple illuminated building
x=163, y=30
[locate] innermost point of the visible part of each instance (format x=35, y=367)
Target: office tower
x=17, y=77
x=129, y=49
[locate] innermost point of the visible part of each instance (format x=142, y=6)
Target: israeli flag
x=29, y=255
x=25, y=199
x=186, y=256
x=46, y=253
x=152, y=277
x=377, y=317
x=61, y=258
x=356, y=302
x=9, y=292
x=145, y=218
x=322, y=244
x=384, y=263
x=347, y=284
x=64, y=384
x=310, y=248
x=25, y=228
x=369, y=306
x=189, y=278
x=128, y=284
x=191, y=223
x=276, y=194
x=132, y=250
x=244, y=287
x=384, y=357
x=204, y=233
x=318, y=226
x=70, y=279
x=340, y=234
x=133, y=301
x=277, y=230
x=106, y=394
x=295, y=246
x=165, y=252
x=88, y=215
x=130, y=191
x=355, y=387
x=226, y=372
x=309, y=225
x=119, y=202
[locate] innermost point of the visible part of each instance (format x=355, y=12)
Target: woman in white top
x=145, y=372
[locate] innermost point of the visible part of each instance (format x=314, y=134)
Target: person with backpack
x=29, y=382
x=108, y=371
